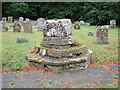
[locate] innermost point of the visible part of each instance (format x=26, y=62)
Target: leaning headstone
x=10, y=19
x=112, y=23
x=27, y=26
x=40, y=24
x=17, y=27
x=90, y=34
x=102, y=35
x=22, y=40
x=21, y=19
x=82, y=22
x=3, y=27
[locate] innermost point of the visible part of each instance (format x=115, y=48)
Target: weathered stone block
x=57, y=28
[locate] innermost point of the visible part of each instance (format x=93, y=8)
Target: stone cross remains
x=27, y=26
x=40, y=24
x=102, y=35
x=57, y=32
x=10, y=19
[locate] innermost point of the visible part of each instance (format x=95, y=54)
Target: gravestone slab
x=22, y=40
x=10, y=19
x=27, y=26
x=17, y=27
x=40, y=24
x=4, y=19
x=82, y=22
x=113, y=23
x=21, y=19
x=102, y=35
x=3, y=26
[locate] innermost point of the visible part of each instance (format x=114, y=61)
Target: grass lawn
x=13, y=54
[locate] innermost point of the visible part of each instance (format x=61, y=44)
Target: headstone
x=4, y=19
x=112, y=23
x=102, y=35
x=27, y=19
x=3, y=27
x=82, y=22
x=90, y=34
x=10, y=19
x=76, y=25
x=88, y=24
x=22, y=40
x=40, y=24
x=21, y=19
x=17, y=27
x=27, y=26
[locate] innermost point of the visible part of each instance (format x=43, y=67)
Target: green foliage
x=96, y=13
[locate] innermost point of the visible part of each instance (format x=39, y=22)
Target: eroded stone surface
x=57, y=28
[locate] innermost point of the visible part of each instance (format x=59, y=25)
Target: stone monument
x=102, y=35
x=17, y=27
x=59, y=51
x=40, y=24
x=27, y=26
x=10, y=19
x=112, y=23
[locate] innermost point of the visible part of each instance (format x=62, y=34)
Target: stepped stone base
x=62, y=64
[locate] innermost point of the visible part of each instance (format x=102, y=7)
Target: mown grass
x=13, y=54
